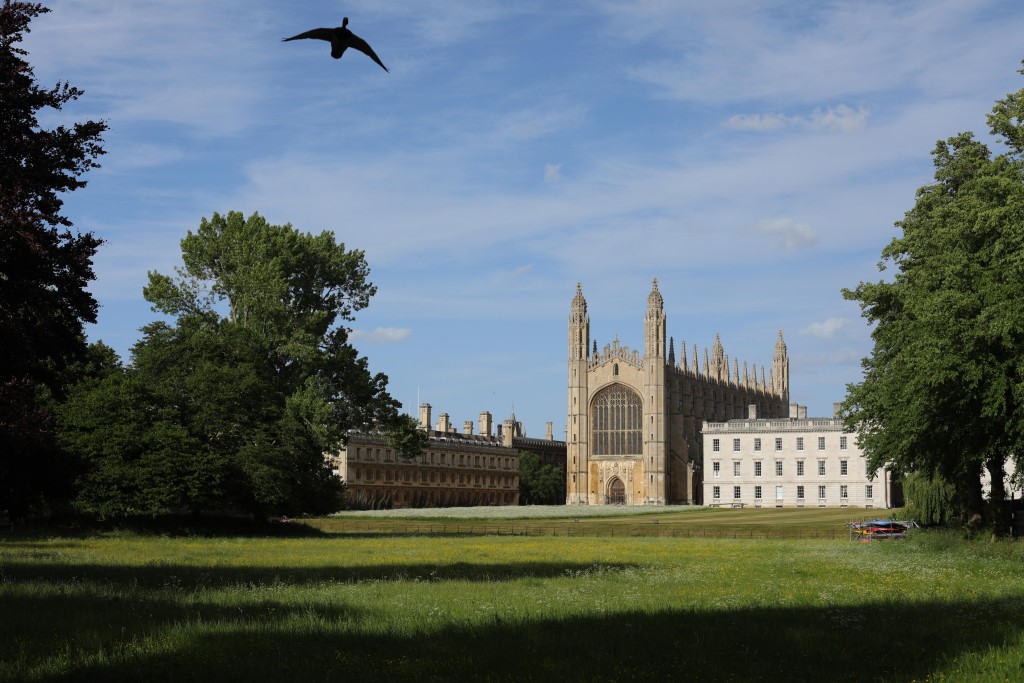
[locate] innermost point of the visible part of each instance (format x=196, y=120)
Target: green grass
x=394, y=606
x=676, y=522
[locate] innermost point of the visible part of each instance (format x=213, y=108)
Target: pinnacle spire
x=654, y=299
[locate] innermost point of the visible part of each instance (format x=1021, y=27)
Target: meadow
x=306, y=604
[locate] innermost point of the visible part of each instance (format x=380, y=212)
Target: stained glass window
x=616, y=421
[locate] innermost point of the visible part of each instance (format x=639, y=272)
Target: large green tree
x=539, y=484
x=44, y=266
x=247, y=384
x=943, y=389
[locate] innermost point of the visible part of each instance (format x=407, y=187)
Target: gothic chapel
x=635, y=421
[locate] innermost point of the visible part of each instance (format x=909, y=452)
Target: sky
x=753, y=156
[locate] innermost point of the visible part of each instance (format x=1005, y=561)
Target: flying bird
x=341, y=39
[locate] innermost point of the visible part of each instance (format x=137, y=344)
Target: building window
x=736, y=468
x=778, y=443
x=716, y=467
x=778, y=493
x=843, y=467
x=799, y=443
x=617, y=420
x=757, y=493
x=735, y=445
x=716, y=445
x=799, y=468
x=821, y=443
x=843, y=489
x=736, y=492
x=800, y=492
x=842, y=443
x=821, y=468
x=821, y=492
x=869, y=490
x=757, y=468
x=716, y=492
x=757, y=444
x=778, y=468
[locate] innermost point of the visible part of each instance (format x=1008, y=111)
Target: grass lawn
x=399, y=606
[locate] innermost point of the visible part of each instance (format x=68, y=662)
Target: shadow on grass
x=171, y=575
x=175, y=526
x=860, y=643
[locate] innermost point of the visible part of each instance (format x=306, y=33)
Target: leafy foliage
x=237, y=400
x=930, y=500
x=943, y=390
x=539, y=484
x=44, y=266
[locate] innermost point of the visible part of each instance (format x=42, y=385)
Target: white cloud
x=786, y=234
x=822, y=50
x=552, y=173
x=826, y=329
x=840, y=118
x=758, y=122
x=381, y=335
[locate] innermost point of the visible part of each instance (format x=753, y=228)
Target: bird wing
x=318, y=33
x=357, y=43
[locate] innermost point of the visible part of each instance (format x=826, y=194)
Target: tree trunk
x=969, y=492
x=997, y=498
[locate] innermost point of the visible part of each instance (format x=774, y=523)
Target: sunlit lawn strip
x=134, y=607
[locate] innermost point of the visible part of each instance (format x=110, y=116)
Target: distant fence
x=579, y=530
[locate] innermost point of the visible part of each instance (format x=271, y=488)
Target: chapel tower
x=654, y=398
x=577, y=453
x=780, y=372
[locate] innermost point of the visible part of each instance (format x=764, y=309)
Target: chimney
x=443, y=425
x=752, y=411
x=485, y=423
x=508, y=431
x=803, y=412
x=794, y=411
x=425, y=416
x=837, y=408
x=467, y=428
x=549, y=436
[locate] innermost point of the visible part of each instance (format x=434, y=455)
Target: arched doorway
x=616, y=492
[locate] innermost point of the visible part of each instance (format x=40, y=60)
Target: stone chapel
x=635, y=417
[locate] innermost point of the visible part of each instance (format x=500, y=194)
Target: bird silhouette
x=341, y=39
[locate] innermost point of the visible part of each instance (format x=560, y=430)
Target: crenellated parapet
x=617, y=352
x=717, y=372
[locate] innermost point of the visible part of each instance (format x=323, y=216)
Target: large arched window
x=616, y=422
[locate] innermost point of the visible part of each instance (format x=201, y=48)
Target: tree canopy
x=539, y=484
x=943, y=389
x=44, y=266
x=236, y=399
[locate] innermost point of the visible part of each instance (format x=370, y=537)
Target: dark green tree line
x=44, y=267
x=943, y=389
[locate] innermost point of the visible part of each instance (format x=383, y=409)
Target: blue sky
x=753, y=156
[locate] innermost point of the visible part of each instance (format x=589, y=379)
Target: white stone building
x=790, y=462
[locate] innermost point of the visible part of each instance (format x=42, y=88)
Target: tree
x=539, y=484
x=248, y=388
x=943, y=389
x=44, y=266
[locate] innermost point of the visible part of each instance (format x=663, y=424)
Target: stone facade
x=456, y=469
x=635, y=417
x=794, y=462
